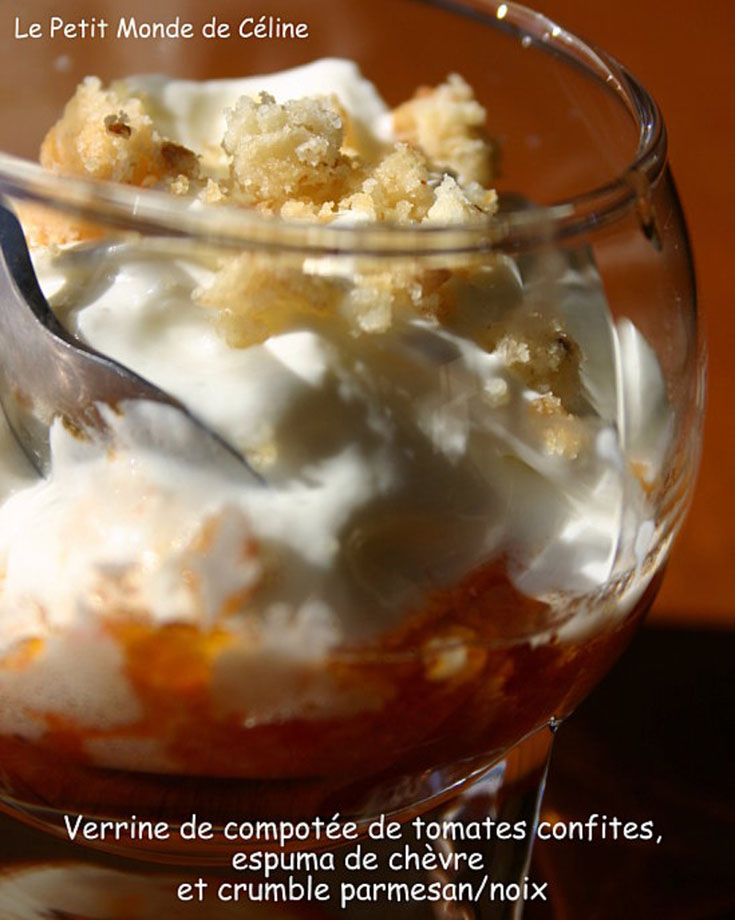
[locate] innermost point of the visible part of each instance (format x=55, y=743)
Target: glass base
x=428, y=872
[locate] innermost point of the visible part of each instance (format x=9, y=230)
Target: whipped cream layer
x=390, y=462
x=393, y=461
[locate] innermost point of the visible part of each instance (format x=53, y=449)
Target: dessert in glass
x=453, y=334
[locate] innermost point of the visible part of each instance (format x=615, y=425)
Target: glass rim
x=516, y=229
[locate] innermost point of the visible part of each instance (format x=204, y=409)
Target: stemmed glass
x=448, y=711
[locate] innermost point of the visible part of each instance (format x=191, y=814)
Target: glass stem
x=502, y=807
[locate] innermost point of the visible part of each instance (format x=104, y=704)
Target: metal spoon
x=45, y=374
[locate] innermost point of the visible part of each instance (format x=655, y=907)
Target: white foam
x=392, y=461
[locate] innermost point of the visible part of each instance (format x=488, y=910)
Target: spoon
x=45, y=374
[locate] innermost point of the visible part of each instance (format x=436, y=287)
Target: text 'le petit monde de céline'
x=129, y=27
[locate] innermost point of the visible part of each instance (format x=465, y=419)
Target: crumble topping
x=106, y=135
x=301, y=159
x=538, y=349
x=448, y=124
x=307, y=159
x=255, y=298
x=282, y=152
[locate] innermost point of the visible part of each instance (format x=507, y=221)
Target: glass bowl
x=525, y=454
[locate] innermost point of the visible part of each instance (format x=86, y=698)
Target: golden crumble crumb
x=396, y=190
x=179, y=185
x=448, y=124
x=105, y=135
x=212, y=193
x=45, y=227
x=562, y=434
x=454, y=204
x=296, y=209
x=285, y=151
x=257, y=297
x=537, y=349
x=497, y=392
x=402, y=189
x=377, y=299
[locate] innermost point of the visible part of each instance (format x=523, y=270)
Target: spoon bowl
x=47, y=374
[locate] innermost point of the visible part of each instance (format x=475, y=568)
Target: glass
x=444, y=708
